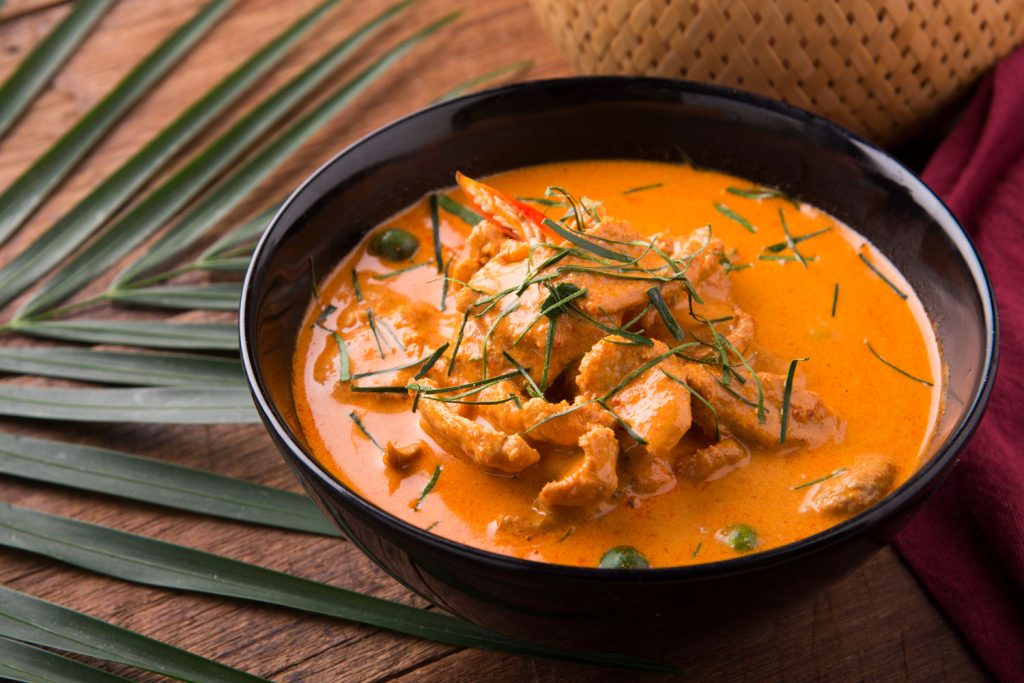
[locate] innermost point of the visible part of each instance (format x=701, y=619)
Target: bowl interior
x=624, y=118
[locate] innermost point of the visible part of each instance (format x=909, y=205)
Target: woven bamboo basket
x=882, y=68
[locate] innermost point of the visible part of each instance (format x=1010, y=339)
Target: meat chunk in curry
x=861, y=485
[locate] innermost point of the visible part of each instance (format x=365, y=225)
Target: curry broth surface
x=884, y=411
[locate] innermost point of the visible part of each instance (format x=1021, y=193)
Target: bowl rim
x=902, y=497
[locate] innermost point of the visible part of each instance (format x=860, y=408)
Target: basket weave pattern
x=878, y=67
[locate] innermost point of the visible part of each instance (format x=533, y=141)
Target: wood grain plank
x=876, y=624
x=18, y=9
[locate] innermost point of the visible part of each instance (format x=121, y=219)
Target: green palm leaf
x=98, y=206
x=122, y=367
x=29, y=619
x=166, y=405
x=160, y=205
x=145, y=333
x=35, y=72
x=158, y=483
x=208, y=297
x=32, y=187
x=244, y=235
x=229, y=254
x=508, y=70
x=243, y=180
x=156, y=563
x=21, y=662
x=233, y=264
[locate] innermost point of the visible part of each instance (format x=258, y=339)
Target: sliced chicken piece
x=593, y=479
x=810, y=422
x=712, y=461
x=400, y=457
x=483, y=243
x=705, y=271
x=507, y=268
x=656, y=407
x=538, y=420
x=483, y=445
x=646, y=474
x=739, y=331
x=608, y=296
x=564, y=430
x=863, y=484
x=529, y=525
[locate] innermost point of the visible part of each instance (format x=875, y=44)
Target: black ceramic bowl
x=587, y=118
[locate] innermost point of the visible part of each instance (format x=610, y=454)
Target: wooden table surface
x=877, y=624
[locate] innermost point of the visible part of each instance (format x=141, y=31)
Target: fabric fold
x=967, y=543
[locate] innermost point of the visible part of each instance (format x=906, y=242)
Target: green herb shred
x=444, y=285
x=364, y=430
x=877, y=272
x=391, y=333
x=583, y=243
x=396, y=273
x=671, y=324
x=458, y=341
x=454, y=208
x=328, y=309
x=396, y=368
x=833, y=473
x=789, y=240
x=694, y=394
x=626, y=427
x=641, y=188
x=344, y=365
x=786, y=394
x=312, y=279
x=435, y=230
x=726, y=262
x=897, y=369
x=549, y=342
x=559, y=298
x=378, y=390
x=759, y=193
x=543, y=201
x=531, y=386
x=429, y=487
x=782, y=246
x=431, y=360
x=355, y=286
x=729, y=213
x=376, y=333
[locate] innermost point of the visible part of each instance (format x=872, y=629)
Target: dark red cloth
x=967, y=544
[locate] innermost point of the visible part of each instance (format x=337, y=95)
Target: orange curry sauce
x=882, y=410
